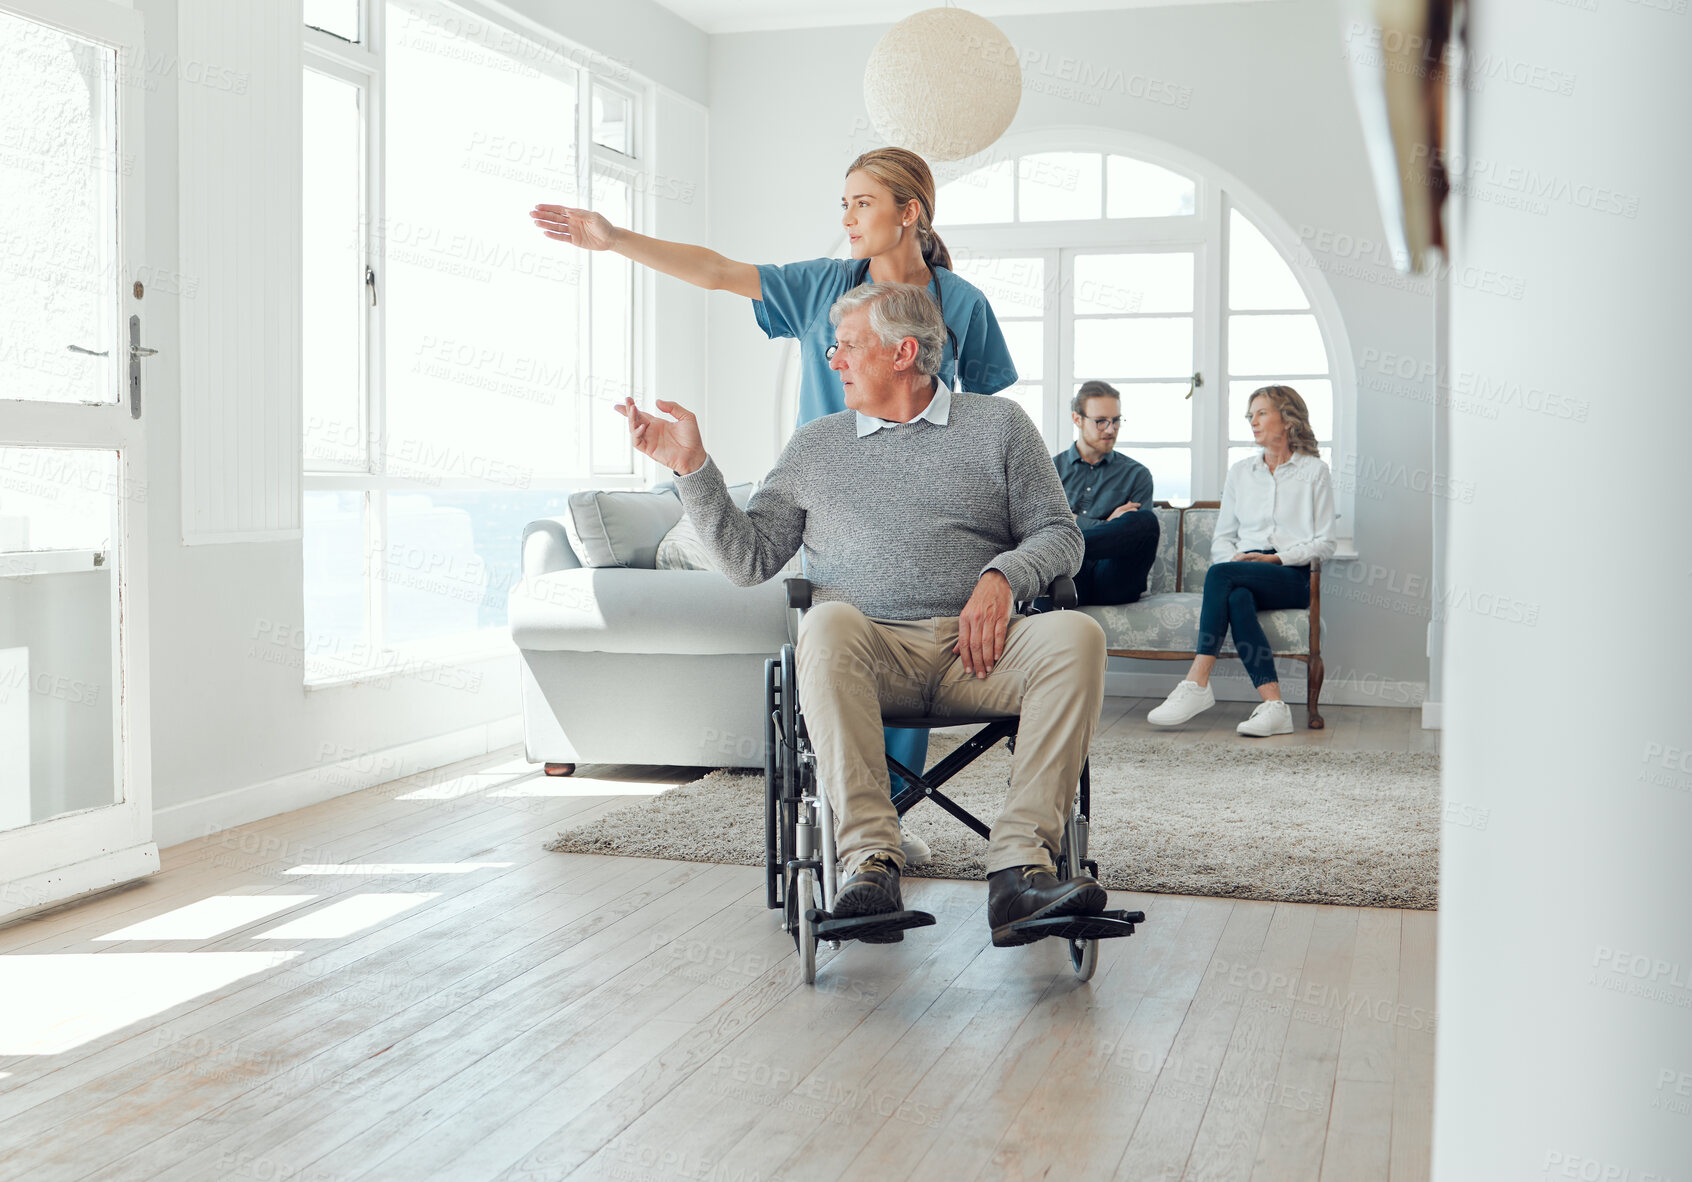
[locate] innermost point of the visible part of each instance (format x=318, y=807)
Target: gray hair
x=897, y=311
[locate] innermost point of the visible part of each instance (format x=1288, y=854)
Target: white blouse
x=1290, y=511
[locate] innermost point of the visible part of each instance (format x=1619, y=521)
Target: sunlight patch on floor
x=561, y=786
x=458, y=786
x=398, y=868
x=208, y=917
x=59, y=1001
x=346, y=917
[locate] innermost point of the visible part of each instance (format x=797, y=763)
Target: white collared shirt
x=1290, y=511
x=938, y=411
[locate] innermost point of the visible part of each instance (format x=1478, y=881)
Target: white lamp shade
x=944, y=83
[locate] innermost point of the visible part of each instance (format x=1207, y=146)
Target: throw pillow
x=619, y=528
x=683, y=549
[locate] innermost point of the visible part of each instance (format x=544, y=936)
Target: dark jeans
x=1234, y=592
x=1118, y=558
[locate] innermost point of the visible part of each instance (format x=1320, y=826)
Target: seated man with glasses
x=925, y=515
x=1111, y=496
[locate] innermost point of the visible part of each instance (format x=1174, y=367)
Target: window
x=1273, y=337
x=338, y=18
x=459, y=367
x=1133, y=263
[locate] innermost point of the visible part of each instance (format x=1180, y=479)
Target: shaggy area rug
x=1292, y=824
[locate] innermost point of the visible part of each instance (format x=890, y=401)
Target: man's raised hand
x=579, y=227
x=676, y=445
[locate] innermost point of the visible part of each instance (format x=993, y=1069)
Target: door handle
x=136, y=352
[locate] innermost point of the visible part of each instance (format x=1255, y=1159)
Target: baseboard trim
x=55, y=888
x=1433, y=716
x=1335, y=692
x=284, y=794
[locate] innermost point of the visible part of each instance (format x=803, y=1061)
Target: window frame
x=361, y=64
x=1206, y=233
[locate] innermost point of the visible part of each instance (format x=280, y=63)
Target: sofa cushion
x=683, y=549
x=1169, y=623
x=1162, y=576
x=1198, y=526
x=620, y=528
x=617, y=610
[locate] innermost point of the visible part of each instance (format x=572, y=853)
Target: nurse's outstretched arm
x=697, y=265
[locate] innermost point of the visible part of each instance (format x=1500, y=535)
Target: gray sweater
x=901, y=523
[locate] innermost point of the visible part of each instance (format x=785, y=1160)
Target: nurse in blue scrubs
x=887, y=209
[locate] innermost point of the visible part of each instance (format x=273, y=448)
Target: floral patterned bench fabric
x=1162, y=577
x=1168, y=623
x=1166, y=620
x=1200, y=527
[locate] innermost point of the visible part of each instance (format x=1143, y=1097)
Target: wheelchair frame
x=800, y=864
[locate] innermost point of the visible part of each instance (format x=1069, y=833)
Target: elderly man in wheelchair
x=926, y=516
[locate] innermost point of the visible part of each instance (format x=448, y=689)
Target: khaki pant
x=853, y=671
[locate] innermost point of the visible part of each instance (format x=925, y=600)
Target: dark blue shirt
x=1095, y=491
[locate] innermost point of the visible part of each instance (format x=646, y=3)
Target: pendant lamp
x=944, y=83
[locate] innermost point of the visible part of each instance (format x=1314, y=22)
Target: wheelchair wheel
x=1084, y=958
x=774, y=857
x=797, y=897
x=805, y=934
x=1072, y=860
x=785, y=690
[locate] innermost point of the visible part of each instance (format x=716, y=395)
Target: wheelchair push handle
x=1062, y=593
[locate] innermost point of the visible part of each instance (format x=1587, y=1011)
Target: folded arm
x=1321, y=545
x=1225, y=541
x=1048, y=542
x=1140, y=490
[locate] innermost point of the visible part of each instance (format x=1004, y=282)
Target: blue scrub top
x=796, y=301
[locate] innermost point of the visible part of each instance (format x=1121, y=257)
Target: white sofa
x=629, y=664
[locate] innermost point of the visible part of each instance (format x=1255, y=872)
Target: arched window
x=1109, y=255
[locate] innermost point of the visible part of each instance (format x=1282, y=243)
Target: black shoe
x=1033, y=892
x=873, y=890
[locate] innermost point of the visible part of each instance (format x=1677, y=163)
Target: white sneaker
x=915, y=849
x=1188, y=699
x=1270, y=718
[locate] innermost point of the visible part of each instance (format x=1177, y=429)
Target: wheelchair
x=800, y=865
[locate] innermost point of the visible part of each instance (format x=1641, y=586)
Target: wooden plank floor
x=538, y=1016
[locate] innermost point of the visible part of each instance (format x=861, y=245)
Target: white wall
x=1565, y=951
x=230, y=715
x=647, y=37
x=1260, y=90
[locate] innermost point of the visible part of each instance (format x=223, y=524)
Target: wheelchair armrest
x=1063, y=594
x=798, y=594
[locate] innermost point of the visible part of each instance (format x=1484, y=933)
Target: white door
x=75, y=790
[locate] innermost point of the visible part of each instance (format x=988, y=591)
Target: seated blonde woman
x=1277, y=517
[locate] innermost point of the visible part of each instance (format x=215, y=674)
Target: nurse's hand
x=581, y=227
x=676, y=445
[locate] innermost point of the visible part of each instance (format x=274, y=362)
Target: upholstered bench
x=1163, y=624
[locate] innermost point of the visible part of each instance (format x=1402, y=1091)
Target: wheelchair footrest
x=1106, y=925
x=886, y=928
